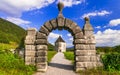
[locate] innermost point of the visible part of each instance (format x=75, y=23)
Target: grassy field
x=4, y=46
x=11, y=64
x=69, y=56
x=99, y=70
x=50, y=55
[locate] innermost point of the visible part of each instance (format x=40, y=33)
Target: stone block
x=76, y=30
x=41, y=66
x=80, y=47
x=91, y=41
x=84, y=47
x=48, y=26
x=42, y=47
x=80, y=41
x=30, y=40
x=77, y=69
x=86, y=65
x=85, y=52
x=41, y=59
x=86, y=58
x=31, y=31
x=41, y=35
x=41, y=53
x=68, y=23
x=72, y=26
x=92, y=47
x=79, y=35
x=41, y=41
x=44, y=30
x=60, y=21
x=30, y=53
x=29, y=60
x=29, y=47
x=54, y=23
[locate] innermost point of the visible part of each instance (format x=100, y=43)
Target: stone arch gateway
x=84, y=43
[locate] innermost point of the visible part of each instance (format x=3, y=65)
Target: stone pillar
x=41, y=53
x=85, y=54
x=30, y=46
x=85, y=48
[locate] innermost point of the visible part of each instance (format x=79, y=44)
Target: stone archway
x=84, y=43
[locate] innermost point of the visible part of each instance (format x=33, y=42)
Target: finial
x=60, y=6
x=86, y=18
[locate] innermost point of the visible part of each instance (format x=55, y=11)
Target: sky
x=104, y=17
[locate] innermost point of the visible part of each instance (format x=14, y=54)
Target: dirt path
x=59, y=66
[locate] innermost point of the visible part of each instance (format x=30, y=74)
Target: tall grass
x=11, y=45
x=11, y=64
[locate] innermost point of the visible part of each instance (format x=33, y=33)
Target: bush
x=111, y=61
x=11, y=64
x=116, y=49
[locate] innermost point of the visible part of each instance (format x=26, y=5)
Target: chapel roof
x=59, y=39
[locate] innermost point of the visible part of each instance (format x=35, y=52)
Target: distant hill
x=10, y=32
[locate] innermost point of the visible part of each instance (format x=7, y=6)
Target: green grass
x=50, y=55
x=11, y=64
x=4, y=46
x=69, y=56
x=98, y=71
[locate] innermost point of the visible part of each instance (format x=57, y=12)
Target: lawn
x=50, y=55
x=69, y=56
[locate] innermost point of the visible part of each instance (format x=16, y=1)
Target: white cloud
x=114, y=22
x=69, y=3
x=108, y=37
x=54, y=35
x=69, y=35
x=16, y=7
x=18, y=21
x=98, y=27
x=96, y=13
x=70, y=39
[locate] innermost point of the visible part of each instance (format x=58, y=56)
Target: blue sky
x=104, y=17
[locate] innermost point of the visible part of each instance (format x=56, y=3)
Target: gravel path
x=59, y=66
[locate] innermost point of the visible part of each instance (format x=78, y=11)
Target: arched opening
x=63, y=46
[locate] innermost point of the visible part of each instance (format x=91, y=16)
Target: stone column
x=85, y=48
x=30, y=46
x=41, y=53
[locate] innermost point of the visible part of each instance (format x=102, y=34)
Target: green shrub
x=11, y=64
x=111, y=61
x=116, y=49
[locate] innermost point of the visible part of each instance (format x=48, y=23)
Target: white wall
x=60, y=46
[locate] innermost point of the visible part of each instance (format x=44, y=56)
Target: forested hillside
x=11, y=33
